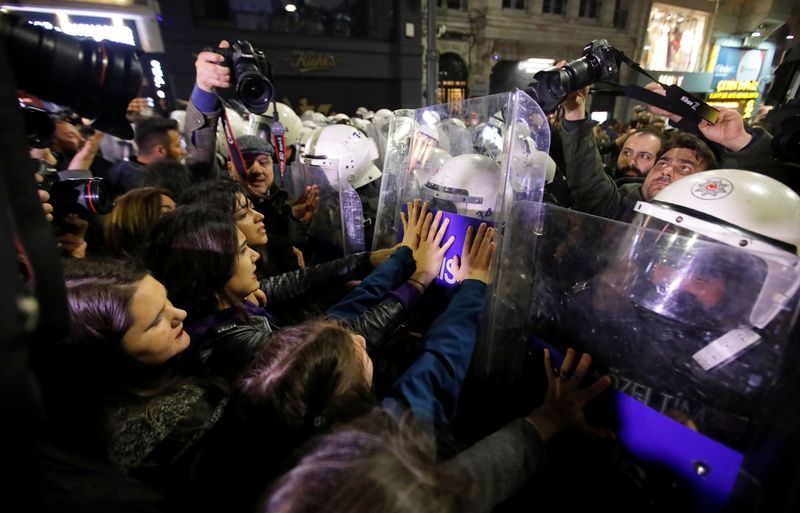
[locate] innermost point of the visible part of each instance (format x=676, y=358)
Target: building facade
x=489, y=46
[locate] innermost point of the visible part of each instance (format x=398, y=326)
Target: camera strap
x=677, y=100
x=278, y=135
x=233, y=148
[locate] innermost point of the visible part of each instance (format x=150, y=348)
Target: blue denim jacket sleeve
x=430, y=387
x=381, y=281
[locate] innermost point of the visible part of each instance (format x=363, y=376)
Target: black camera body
x=600, y=61
x=252, y=73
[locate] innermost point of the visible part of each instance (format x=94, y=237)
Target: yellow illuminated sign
x=736, y=94
x=737, y=85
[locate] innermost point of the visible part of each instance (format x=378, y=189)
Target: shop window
x=453, y=75
x=554, y=6
x=674, y=39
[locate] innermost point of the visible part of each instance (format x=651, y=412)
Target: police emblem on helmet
x=713, y=188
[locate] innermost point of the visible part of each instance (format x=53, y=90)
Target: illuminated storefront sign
x=736, y=94
x=742, y=64
x=84, y=24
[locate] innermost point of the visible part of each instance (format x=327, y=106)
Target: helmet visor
x=695, y=280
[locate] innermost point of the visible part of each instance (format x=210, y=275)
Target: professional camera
x=82, y=196
x=600, y=61
x=252, y=72
x=96, y=80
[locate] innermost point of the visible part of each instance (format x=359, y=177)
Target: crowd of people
x=229, y=351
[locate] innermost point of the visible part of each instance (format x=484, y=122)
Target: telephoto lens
x=96, y=80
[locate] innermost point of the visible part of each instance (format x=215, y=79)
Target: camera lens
x=80, y=196
x=255, y=91
x=97, y=80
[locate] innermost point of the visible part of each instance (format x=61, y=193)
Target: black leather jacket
x=228, y=348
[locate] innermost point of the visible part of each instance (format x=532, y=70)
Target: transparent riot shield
x=337, y=228
x=697, y=337
x=497, y=178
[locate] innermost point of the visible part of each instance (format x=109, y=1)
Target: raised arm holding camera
x=737, y=147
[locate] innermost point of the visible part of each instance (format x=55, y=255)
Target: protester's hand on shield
x=430, y=251
x=563, y=404
x=306, y=205
x=412, y=223
x=476, y=255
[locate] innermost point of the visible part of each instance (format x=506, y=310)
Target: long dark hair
x=89, y=372
x=376, y=463
x=306, y=379
x=220, y=194
x=193, y=252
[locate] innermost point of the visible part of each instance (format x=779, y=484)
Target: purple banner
x=458, y=228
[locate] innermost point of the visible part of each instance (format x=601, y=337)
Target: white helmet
x=353, y=150
x=382, y=118
x=238, y=127
x=289, y=119
x=487, y=138
x=306, y=132
x=470, y=182
x=319, y=118
x=430, y=164
x=180, y=117
x=361, y=112
x=765, y=211
x=454, y=136
x=361, y=124
x=675, y=252
x=307, y=115
x=340, y=117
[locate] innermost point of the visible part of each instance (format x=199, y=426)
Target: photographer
x=594, y=192
x=203, y=112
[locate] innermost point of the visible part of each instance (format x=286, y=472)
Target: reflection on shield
x=337, y=228
x=432, y=154
x=678, y=321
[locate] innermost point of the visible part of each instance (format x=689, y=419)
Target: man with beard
x=594, y=192
x=282, y=215
x=638, y=154
x=156, y=139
